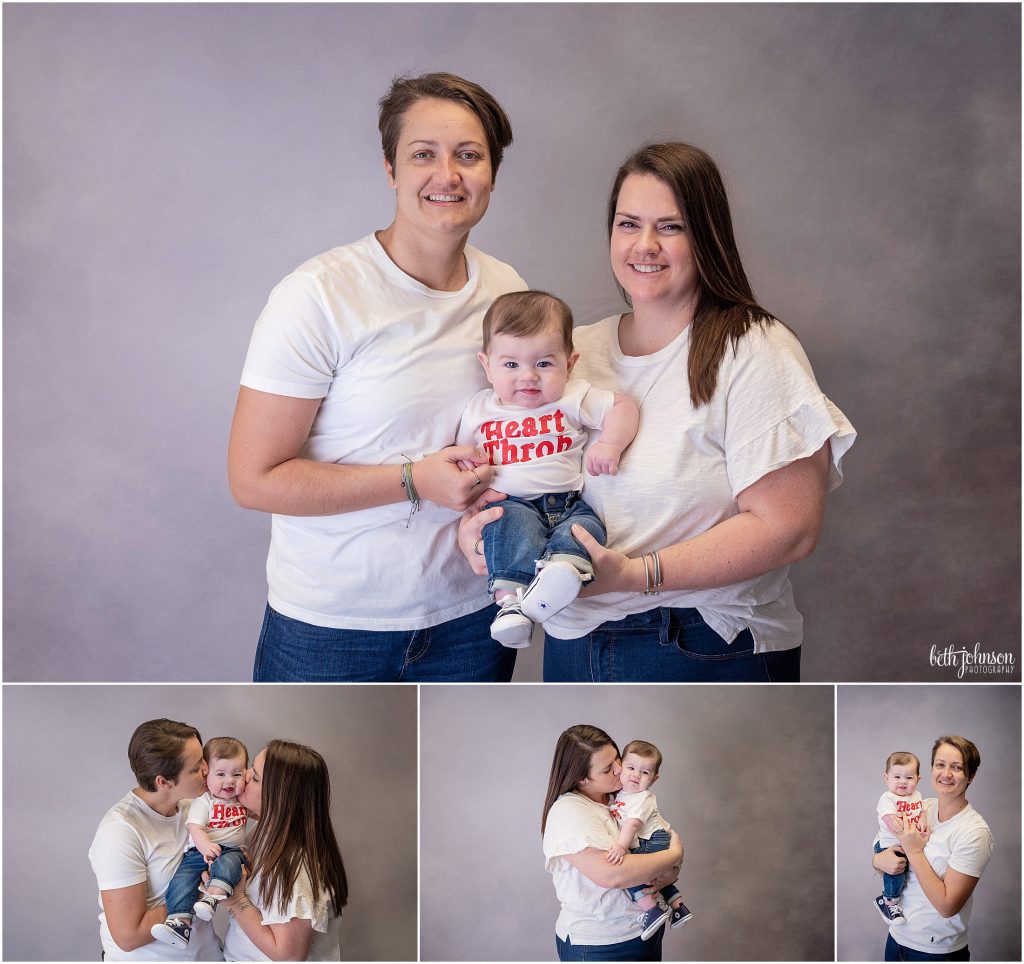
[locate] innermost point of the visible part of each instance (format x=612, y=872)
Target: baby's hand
x=211, y=852
x=603, y=459
x=615, y=854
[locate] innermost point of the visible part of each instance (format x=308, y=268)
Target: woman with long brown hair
x=598, y=921
x=290, y=908
x=724, y=486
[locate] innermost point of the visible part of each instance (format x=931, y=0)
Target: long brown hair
x=571, y=762
x=294, y=829
x=726, y=308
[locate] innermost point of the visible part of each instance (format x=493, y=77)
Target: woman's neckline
x=666, y=351
x=952, y=816
x=457, y=281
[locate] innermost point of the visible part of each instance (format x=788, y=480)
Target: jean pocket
x=691, y=635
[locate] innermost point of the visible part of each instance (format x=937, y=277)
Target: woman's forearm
x=279, y=942
x=947, y=895
x=302, y=487
x=128, y=919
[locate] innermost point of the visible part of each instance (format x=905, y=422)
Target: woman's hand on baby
x=889, y=861
x=238, y=893
x=614, y=571
x=913, y=840
x=439, y=477
x=603, y=458
x=615, y=854
x=471, y=528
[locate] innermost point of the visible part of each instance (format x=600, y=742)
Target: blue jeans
x=634, y=950
x=897, y=952
x=183, y=890
x=892, y=884
x=460, y=650
x=532, y=529
x=664, y=646
x=659, y=840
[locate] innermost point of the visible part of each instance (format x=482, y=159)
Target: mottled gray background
x=72, y=742
x=746, y=781
x=165, y=166
x=874, y=721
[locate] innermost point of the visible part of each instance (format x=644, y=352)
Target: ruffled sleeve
x=573, y=825
x=776, y=413
x=301, y=905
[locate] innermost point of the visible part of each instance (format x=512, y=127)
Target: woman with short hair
x=139, y=843
x=946, y=861
x=355, y=381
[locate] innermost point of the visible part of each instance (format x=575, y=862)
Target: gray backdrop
x=746, y=781
x=165, y=166
x=874, y=721
x=72, y=742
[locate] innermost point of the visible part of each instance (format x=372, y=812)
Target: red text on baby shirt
x=224, y=815
x=911, y=809
x=501, y=451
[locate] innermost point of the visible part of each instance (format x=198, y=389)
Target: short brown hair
x=155, y=750
x=225, y=748
x=970, y=753
x=900, y=759
x=521, y=313
x=406, y=91
x=644, y=750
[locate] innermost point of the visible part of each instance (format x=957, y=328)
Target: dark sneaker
x=552, y=589
x=510, y=627
x=174, y=931
x=680, y=915
x=205, y=907
x=651, y=920
x=891, y=913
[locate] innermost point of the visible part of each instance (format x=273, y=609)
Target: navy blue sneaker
x=174, y=931
x=680, y=915
x=891, y=913
x=651, y=920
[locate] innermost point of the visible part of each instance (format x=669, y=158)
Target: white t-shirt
x=134, y=844
x=642, y=806
x=590, y=914
x=536, y=450
x=223, y=821
x=909, y=807
x=395, y=364
x=685, y=468
x=964, y=843
x=324, y=947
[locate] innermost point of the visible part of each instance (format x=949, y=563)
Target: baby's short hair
x=521, y=313
x=648, y=751
x=224, y=748
x=900, y=759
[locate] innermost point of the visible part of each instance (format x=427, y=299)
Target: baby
x=900, y=804
x=532, y=425
x=636, y=810
x=216, y=825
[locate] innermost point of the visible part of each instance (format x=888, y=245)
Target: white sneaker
x=510, y=627
x=552, y=589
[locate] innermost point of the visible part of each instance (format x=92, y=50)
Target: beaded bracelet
x=410, y=489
